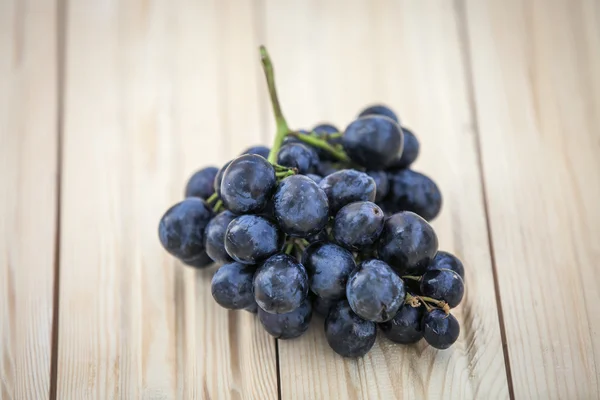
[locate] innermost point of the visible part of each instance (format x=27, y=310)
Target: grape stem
x=218, y=206
x=412, y=277
x=416, y=301
x=213, y=197
x=280, y=122
x=289, y=248
x=284, y=174
x=321, y=144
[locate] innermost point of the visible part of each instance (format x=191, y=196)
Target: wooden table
x=107, y=106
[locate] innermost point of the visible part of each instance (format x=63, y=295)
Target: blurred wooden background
x=107, y=106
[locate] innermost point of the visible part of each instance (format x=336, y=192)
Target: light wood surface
x=28, y=181
x=504, y=96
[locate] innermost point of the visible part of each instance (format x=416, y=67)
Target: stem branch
x=321, y=144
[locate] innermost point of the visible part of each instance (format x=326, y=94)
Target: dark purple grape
x=201, y=184
x=413, y=191
x=357, y=226
x=327, y=168
x=322, y=306
x=374, y=291
x=443, y=284
x=250, y=239
x=219, y=178
x=408, y=243
x=181, y=229
x=405, y=327
x=202, y=260
x=248, y=184
x=328, y=267
x=280, y=284
x=381, y=183
x=231, y=286
x=440, y=330
x=215, y=237
x=373, y=141
x=347, y=333
x=301, y=206
x=445, y=260
x=322, y=130
x=409, y=153
x=379, y=109
x=314, y=177
x=299, y=156
x=259, y=150
x=288, y=325
x=347, y=186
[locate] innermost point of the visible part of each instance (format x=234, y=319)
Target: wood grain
x=537, y=96
x=406, y=54
x=148, y=100
x=28, y=177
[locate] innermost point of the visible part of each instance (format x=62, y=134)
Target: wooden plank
x=145, y=105
x=537, y=96
x=28, y=176
x=407, y=54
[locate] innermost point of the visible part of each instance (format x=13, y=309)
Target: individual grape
x=215, y=237
x=327, y=168
x=325, y=128
x=201, y=183
x=292, y=139
x=347, y=186
x=248, y=184
x=374, y=291
x=231, y=286
x=322, y=130
x=379, y=109
x=381, y=184
x=288, y=325
x=413, y=191
x=181, y=229
x=445, y=260
x=280, y=284
x=328, y=267
x=443, y=284
x=315, y=177
x=262, y=151
x=300, y=206
x=322, y=306
x=440, y=330
x=201, y=260
x=347, y=333
x=373, y=141
x=410, y=152
x=405, y=327
x=357, y=226
x=250, y=239
x=299, y=156
x=219, y=178
x=408, y=243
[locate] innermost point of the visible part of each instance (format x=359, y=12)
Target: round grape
x=358, y=225
x=443, y=284
x=219, y=178
x=347, y=186
x=373, y=141
x=440, y=330
x=379, y=109
x=445, y=260
x=409, y=153
x=299, y=156
x=289, y=325
x=347, y=333
x=262, y=151
x=201, y=184
x=215, y=237
x=250, y=239
x=328, y=267
x=405, y=327
x=413, y=191
x=231, y=286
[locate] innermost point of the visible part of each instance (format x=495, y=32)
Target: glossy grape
x=409, y=153
x=288, y=325
x=328, y=267
x=201, y=260
x=248, y=184
x=219, y=178
x=379, y=109
x=259, y=150
x=445, y=260
x=347, y=333
x=373, y=141
x=405, y=327
x=299, y=156
x=443, y=284
x=300, y=206
x=347, y=186
x=231, y=286
x=408, y=243
x=201, y=184
x=374, y=291
x=181, y=229
x=215, y=237
x=250, y=239
x=357, y=226
x=440, y=330
x=413, y=191
x=280, y=284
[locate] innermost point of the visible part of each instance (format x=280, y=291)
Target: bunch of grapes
x=328, y=222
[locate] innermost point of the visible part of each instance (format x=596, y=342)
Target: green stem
x=335, y=135
x=289, y=248
x=280, y=122
x=213, y=197
x=413, y=277
x=321, y=144
x=284, y=174
x=218, y=206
